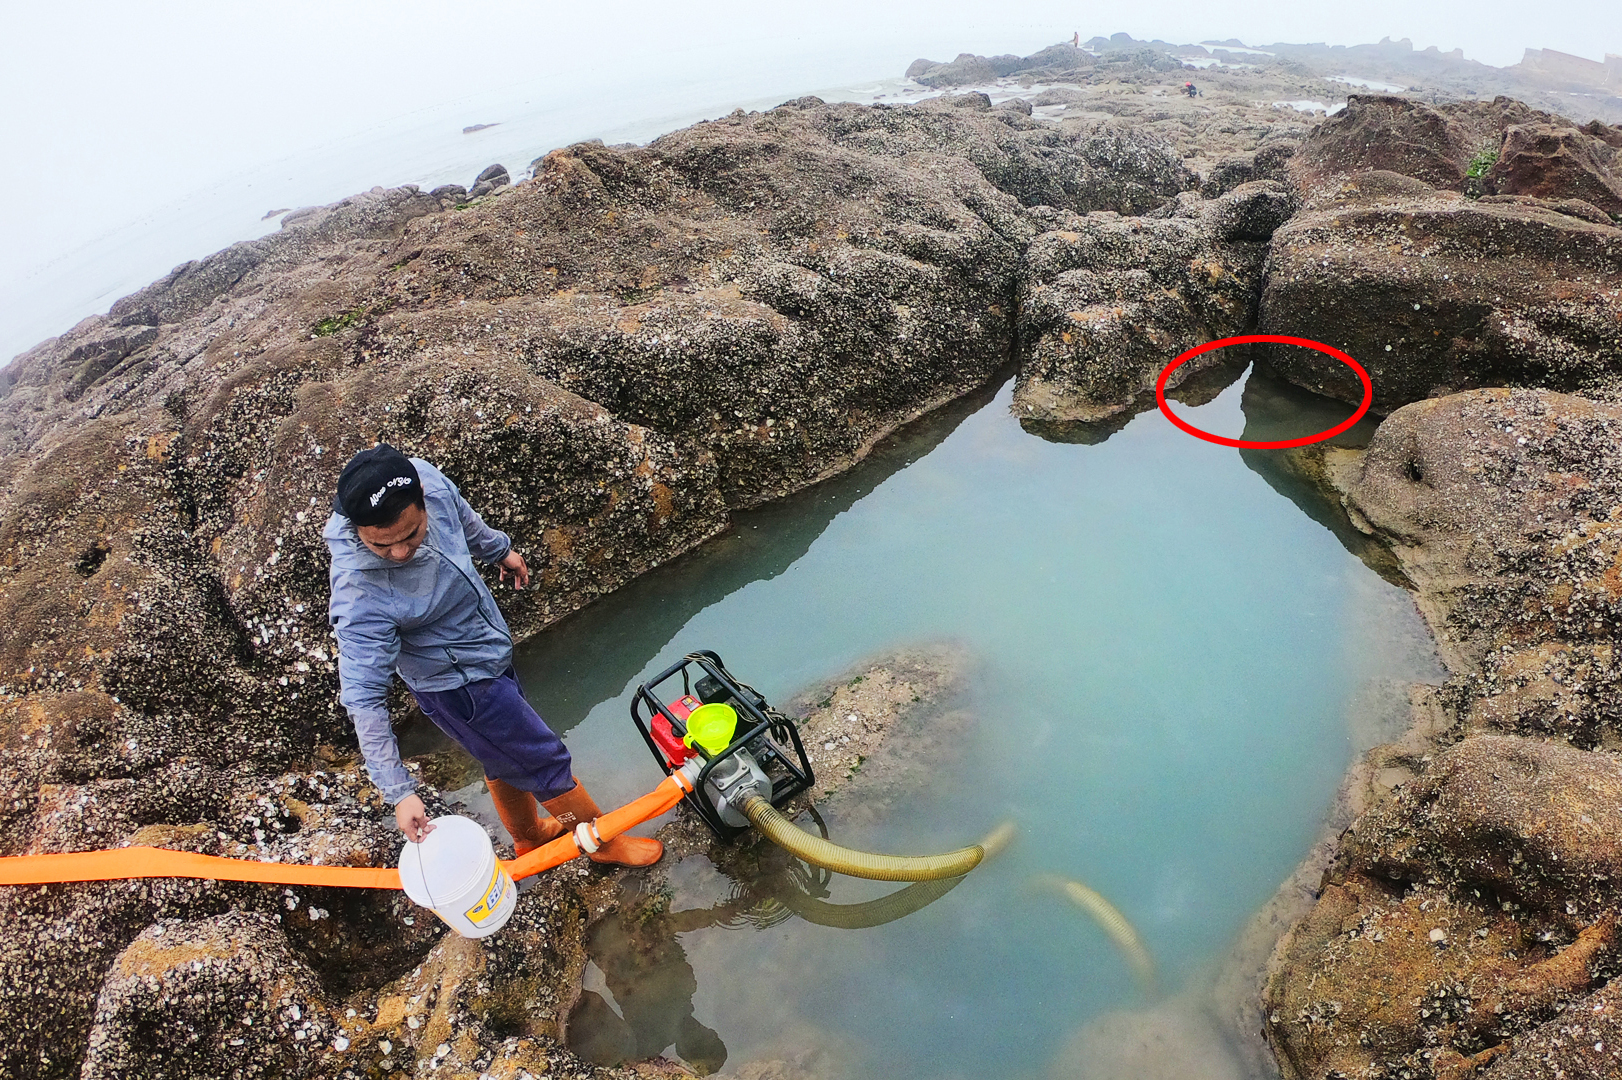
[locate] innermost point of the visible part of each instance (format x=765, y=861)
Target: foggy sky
x=112, y=108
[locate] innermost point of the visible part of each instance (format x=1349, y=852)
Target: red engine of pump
x=675, y=751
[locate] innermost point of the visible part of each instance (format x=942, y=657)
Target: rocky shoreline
x=617, y=352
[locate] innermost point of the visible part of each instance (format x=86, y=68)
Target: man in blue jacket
x=406, y=598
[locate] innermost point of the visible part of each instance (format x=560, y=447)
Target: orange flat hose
x=658, y=801
x=152, y=862
x=146, y=862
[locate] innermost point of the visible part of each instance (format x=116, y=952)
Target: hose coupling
x=586, y=837
x=686, y=777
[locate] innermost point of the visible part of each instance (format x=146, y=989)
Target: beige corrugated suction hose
x=842, y=860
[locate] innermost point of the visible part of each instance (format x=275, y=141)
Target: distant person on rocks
x=1191, y=90
x=1075, y=40
x=406, y=598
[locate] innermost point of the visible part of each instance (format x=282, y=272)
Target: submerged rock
x=1168, y=1041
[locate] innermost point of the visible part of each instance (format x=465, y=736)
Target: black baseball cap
x=376, y=486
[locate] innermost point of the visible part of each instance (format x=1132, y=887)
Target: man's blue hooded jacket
x=430, y=618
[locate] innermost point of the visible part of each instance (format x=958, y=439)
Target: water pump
x=753, y=763
x=750, y=751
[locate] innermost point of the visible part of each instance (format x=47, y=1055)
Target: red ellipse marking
x=1281, y=339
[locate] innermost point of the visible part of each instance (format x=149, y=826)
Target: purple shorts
x=491, y=720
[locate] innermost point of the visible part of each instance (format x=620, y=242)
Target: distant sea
x=427, y=148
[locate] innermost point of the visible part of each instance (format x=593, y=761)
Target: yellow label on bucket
x=493, y=896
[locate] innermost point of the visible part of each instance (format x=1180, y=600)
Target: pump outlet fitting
x=731, y=783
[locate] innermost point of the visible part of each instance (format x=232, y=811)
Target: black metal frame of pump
x=765, y=732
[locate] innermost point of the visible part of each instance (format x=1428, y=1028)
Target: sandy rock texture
x=1463, y=922
x=1466, y=925
x=1499, y=504
x=1436, y=291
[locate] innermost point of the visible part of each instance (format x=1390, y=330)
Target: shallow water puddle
x=1171, y=667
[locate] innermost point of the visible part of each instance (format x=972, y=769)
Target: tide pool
x=1171, y=666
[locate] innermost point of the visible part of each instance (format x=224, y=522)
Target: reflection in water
x=790, y=886
x=869, y=913
x=1276, y=410
x=1198, y=389
x=647, y=972
x=1084, y=432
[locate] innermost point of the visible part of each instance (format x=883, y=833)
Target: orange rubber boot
x=577, y=806
x=522, y=817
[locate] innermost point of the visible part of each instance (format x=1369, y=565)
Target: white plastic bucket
x=454, y=871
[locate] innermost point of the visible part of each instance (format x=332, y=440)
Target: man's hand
x=514, y=563
x=412, y=817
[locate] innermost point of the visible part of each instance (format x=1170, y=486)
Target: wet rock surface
x=1109, y=300
x=1431, y=290
x=614, y=354
x=1499, y=503
x=607, y=357
x=1466, y=925
x=489, y=180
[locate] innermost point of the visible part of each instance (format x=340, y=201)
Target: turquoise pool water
x=1172, y=667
